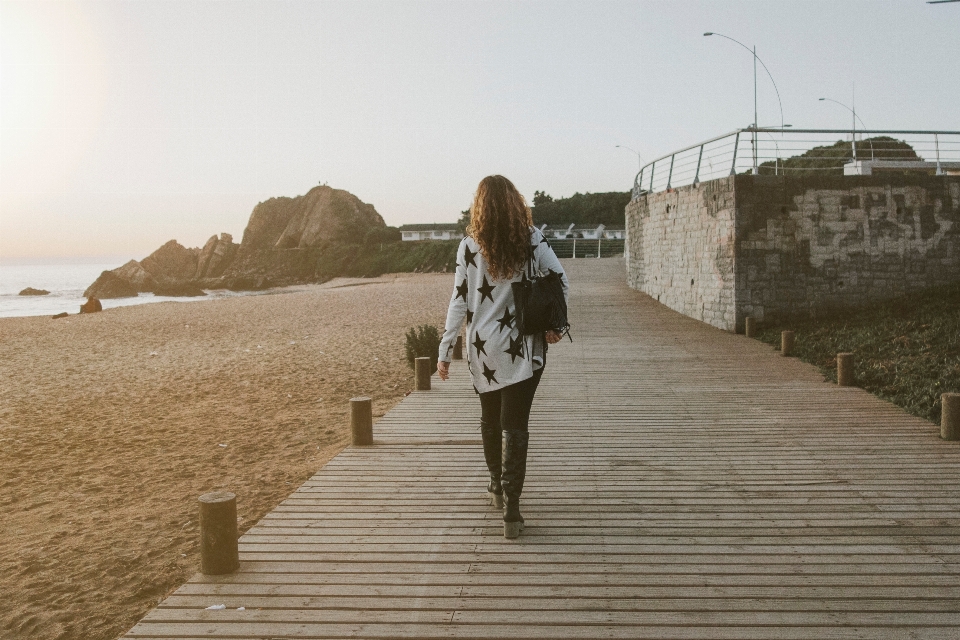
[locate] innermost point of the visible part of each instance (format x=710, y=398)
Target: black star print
x=516, y=348
x=468, y=257
x=506, y=321
x=478, y=345
x=462, y=290
x=488, y=373
x=485, y=290
x=469, y=316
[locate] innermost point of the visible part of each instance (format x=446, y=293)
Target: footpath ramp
x=683, y=482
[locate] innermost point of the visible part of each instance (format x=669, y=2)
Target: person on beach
x=505, y=366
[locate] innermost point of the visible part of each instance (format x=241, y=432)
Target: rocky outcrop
x=30, y=291
x=216, y=256
x=179, y=289
x=134, y=273
x=172, y=261
x=285, y=235
x=280, y=246
x=110, y=285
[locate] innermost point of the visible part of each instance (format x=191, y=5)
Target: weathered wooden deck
x=683, y=483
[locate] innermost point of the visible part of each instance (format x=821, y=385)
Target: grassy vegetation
x=376, y=258
x=906, y=351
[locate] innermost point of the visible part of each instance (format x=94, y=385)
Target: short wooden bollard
x=845, y=369
x=749, y=327
x=422, y=369
x=361, y=421
x=458, y=348
x=786, y=343
x=950, y=416
x=218, y=533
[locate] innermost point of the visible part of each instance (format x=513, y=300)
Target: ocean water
x=66, y=284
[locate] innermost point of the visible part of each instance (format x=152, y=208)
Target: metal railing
x=776, y=151
x=587, y=247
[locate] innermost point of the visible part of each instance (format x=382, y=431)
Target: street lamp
x=756, y=59
x=639, y=159
x=853, y=139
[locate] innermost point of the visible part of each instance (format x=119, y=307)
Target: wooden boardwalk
x=683, y=482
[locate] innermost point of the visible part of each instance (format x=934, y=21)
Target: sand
x=112, y=424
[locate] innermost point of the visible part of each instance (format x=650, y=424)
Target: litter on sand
x=216, y=607
x=241, y=608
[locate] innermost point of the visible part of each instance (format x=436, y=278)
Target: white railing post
x=936, y=144
x=574, y=247
x=696, y=178
x=736, y=142
x=598, y=247
x=670, y=174
x=652, y=169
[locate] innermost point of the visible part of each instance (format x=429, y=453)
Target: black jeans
x=509, y=407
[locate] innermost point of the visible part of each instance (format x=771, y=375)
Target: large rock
x=284, y=236
x=216, y=256
x=134, y=273
x=323, y=214
x=172, y=261
x=30, y=291
x=110, y=285
x=179, y=289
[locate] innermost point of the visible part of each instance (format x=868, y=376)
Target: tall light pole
x=756, y=59
x=639, y=159
x=853, y=136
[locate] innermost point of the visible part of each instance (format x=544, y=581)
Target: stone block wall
x=769, y=246
x=680, y=250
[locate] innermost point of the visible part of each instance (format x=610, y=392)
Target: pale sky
x=125, y=124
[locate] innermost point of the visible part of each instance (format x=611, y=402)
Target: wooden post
x=950, y=416
x=458, y=348
x=845, y=369
x=218, y=533
x=423, y=374
x=786, y=343
x=361, y=421
x=749, y=327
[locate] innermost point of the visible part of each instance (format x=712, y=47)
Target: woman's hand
x=553, y=337
x=443, y=368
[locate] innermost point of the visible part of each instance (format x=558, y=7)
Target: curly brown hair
x=500, y=223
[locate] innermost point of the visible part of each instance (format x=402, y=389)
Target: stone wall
x=680, y=250
x=768, y=246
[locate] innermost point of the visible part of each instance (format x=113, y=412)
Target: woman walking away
x=505, y=365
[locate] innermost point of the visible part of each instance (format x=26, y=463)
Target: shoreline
x=113, y=423
x=74, y=302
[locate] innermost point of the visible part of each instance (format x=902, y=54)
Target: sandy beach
x=112, y=424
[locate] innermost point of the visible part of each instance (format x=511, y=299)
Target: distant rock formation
x=134, y=273
x=216, y=256
x=280, y=247
x=30, y=291
x=172, y=261
x=110, y=285
x=92, y=305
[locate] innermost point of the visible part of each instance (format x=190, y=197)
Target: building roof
x=440, y=226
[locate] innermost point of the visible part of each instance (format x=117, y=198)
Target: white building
x=412, y=232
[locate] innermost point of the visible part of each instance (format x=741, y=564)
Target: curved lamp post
x=853, y=141
x=756, y=59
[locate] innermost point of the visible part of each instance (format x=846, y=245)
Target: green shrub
x=423, y=342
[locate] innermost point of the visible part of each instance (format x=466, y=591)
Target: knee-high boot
x=491, y=435
x=514, y=471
